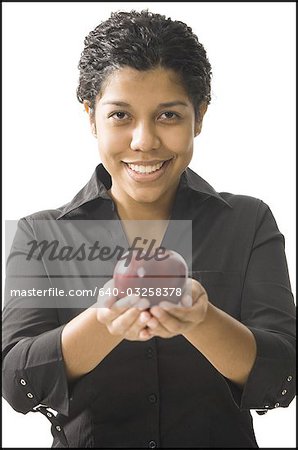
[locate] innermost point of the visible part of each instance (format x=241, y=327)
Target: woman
x=133, y=375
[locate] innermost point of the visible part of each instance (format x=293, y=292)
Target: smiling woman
x=146, y=124
x=130, y=374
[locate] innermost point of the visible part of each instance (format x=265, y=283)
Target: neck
x=148, y=213
x=157, y=215
x=129, y=209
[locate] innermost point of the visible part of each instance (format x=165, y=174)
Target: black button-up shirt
x=163, y=392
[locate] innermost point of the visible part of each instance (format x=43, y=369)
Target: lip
x=147, y=177
x=146, y=163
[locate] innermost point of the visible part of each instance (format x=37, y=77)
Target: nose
x=144, y=138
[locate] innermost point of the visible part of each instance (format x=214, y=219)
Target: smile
x=147, y=172
x=147, y=168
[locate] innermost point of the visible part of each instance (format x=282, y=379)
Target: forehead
x=129, y=84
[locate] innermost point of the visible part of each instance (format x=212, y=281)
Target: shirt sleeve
x=33, y=370
x=268, y=310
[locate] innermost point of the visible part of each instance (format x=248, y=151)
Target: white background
x=247, y=145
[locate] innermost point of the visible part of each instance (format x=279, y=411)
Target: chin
x=146, y=194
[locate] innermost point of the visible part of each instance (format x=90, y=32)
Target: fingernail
x=153, y=324
x=143, y=303
x=187, y=301
x=143, y=318
x=166, y=305
x=157, y=313
x=134, y=299
x=107, y=302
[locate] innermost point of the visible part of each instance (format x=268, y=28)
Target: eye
x=119, y=115
x=169, y=116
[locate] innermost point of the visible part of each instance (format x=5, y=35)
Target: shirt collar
x=100, y=183
x=191, y=180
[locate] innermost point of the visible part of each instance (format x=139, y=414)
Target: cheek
x=112, y=140
x=180, y=142
x=109, y=145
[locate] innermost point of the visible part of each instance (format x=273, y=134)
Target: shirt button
x=290, y=378
x=284, y=392
x=152, y=398
x=276, y=405
x=23, y=382
x=152, y=444
x=30, y=395
x=150, y=352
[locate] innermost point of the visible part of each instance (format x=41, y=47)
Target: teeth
x=145, y=169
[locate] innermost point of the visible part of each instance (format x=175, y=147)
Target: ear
x=90, y=112
x=86, y=106
x=199, y=120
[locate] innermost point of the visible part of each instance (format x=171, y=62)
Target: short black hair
x=143, y=40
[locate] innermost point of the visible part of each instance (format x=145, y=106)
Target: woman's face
x=145, y=126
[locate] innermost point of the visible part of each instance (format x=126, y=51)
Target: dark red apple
x=158, y=277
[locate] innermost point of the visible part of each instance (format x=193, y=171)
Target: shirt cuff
x=34, y=373
x=271, y=382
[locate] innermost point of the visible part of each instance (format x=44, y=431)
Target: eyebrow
x=163, y=105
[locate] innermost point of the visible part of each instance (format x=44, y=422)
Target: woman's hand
x=122, y=317
x=167, y=320
x=130, y=317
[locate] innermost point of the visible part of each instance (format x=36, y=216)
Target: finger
x=181, y=312
x=145, y=334
x=106, y=300
x=143, y=303
x=144, y=317
x=107, y=315
x=125, y=302
x=186, y=301
x=121, y=324
x=187, y=316
x=195, y=289
x=138, y=329
x=192, y=289
x=176, y=311
x=156, y=328
x=165, y=321
x=192, y=293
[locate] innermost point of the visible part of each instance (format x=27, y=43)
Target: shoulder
x=242, y=201
x=245, y=207
x=45, y=214
x=248, y=211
